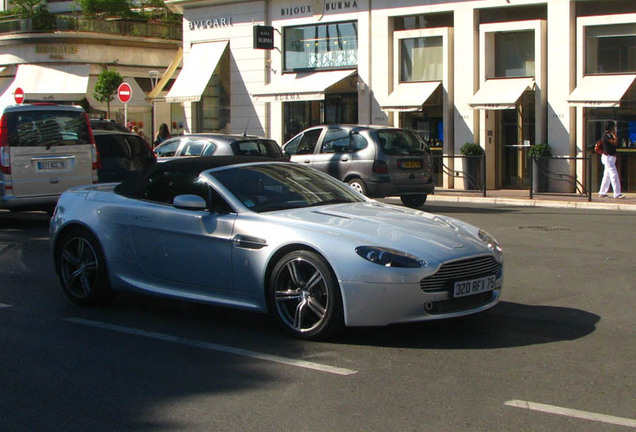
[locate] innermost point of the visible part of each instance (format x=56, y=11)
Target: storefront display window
x=421, y=59
x=610, y=49
x=514, y=54
x=324, y=46
x=214, y=107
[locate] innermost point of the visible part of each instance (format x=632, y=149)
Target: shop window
x=610, y=49
x=514, y=54
x=324, y=46
x=421, y=59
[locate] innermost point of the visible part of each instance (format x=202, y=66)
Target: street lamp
x=154, y=77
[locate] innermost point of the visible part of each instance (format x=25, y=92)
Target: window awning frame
x=409, y=97
x=501, y=93
x=196, y=72
x=301, y=86
x=51, y=83
x=601, y=91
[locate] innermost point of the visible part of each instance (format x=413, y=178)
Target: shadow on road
x=508, y=325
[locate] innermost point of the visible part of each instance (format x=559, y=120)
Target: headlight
x=389, y=257
x=491, y=243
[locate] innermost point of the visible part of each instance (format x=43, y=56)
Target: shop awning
x=501, y=93
x=137, y=101
x=196, y=72
x=301, y=86
x=52, y=82
x=172, y=67
x=603, y=91
x=410, y=97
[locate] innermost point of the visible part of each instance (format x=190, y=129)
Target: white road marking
x=216, y=347
x=567, y=412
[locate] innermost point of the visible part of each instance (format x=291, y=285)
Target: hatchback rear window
x=47, y=128
x=401, y=142
x=267, y=148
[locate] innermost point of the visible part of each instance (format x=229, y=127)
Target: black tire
x=359, y=185
x=304, y=295
x=81, y=268
x=414, y=201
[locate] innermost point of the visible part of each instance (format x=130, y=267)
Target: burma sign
x=263, y=37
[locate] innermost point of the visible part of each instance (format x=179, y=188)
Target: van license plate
x=474, y=286
x=411, y=164
x=52, y=165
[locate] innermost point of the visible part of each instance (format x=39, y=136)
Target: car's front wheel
x=82, y=269
x=305, y=297
x=413, y=201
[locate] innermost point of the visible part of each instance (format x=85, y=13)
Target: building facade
x=61, y=64
x=506, y=74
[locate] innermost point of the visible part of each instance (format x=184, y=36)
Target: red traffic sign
x=18, y=95
x=124, y=92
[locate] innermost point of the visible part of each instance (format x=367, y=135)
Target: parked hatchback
x=378, y=161
x=217, y=144
x=44, y=150
x=121, y=154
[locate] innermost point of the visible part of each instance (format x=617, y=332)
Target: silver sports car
x=275, y=237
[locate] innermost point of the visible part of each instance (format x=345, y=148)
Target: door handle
x=307, y=161
x=345, y=159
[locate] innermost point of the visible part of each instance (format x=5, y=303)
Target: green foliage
x=106, y=86
x=471, y=149
x=109, y=8
x=539, y=150
x=41, y=17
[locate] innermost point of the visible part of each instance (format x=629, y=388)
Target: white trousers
x=610, y=176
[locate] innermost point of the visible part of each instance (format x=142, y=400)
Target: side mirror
x=189, y=202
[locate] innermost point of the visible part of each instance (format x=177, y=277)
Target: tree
x=106, y=86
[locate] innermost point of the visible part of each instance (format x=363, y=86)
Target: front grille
x=452, y=272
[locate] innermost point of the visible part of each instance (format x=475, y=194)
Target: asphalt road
x=557, y=354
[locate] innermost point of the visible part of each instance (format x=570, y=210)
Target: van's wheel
x=413, y=201
x=304, y=295
x=81, y=268
x=358, y=185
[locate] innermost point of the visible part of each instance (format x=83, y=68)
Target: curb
x=535, y=203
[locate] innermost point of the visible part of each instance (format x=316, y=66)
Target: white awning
x=137, y=101
x=603, y=91
x=410, y=97
x=501, y=93
x=51, y=83
x=301, y=86
x=196, y=72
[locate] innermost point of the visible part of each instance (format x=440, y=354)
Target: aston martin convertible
x=275, y=237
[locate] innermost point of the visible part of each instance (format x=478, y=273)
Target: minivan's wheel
x=358, y=185
x=304, y=295
x=413, y=201
x=81, y=268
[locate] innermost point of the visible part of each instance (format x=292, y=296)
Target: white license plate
x=52, y=165
x=474, y=286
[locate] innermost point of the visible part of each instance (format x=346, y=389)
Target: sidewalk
x=522, y=198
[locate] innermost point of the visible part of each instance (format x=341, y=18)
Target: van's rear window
x=47, y=128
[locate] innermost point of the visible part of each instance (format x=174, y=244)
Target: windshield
x=269, y=187
x=401, y=142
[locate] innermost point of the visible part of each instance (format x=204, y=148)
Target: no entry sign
x=124, y=92
x=18, y=95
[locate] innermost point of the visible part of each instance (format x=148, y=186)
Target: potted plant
x=472, y=165
x=539, y=154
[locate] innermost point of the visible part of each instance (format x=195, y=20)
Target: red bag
x=598, y=147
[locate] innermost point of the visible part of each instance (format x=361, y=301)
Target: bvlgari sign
x=210, y=23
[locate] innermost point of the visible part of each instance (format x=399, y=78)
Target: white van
x=44, y=150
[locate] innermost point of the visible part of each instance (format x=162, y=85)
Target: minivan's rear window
x=401, y=142
x=47, y=128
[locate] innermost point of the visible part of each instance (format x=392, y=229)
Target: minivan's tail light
x=97, y=163
x=380, y=167
x=5, y=156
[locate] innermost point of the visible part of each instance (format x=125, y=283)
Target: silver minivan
x=44, y=150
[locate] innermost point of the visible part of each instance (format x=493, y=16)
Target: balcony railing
x=148, y=29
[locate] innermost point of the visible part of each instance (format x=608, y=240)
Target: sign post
x=124, y=94
x=18, y=95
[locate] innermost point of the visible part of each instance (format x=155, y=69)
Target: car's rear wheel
x=413, y=201
x=358, y=185
x=305, y=297
x=82, y=269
